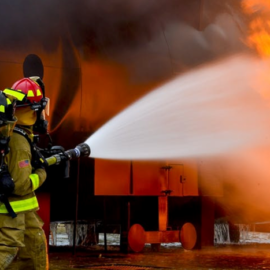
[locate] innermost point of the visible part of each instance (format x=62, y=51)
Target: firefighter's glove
x=6, y=184
x=39, y=165
x=38, y=161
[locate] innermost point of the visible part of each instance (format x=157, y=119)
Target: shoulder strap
x=37, y=157
x=23, y=133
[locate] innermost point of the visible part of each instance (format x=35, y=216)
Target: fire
x=259, y=27
x=259, y=37
x=250, y=6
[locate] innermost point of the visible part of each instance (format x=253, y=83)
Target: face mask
x=41, y=125
x=42, y=109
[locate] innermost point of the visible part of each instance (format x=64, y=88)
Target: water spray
x=222, y=111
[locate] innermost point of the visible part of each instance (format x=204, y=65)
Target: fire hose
x=57, y=155
x=81, y=150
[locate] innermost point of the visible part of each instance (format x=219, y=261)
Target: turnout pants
x=22, y=243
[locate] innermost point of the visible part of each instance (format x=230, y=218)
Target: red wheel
x=136, y=238
x=188, y=236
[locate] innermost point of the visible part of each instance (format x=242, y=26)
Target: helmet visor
x=7, y=129
x=47, y=106
x=46, y=109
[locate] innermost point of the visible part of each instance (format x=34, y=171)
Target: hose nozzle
x=81, y=150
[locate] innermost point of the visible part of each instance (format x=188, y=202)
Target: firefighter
x=26, y=246
x=8, y=99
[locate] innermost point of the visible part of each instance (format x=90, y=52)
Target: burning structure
x=96, y=60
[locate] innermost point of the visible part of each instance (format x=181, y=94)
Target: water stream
x=213, y=109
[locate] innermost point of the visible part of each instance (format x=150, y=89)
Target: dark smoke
x=153, y=40
x=184, y=31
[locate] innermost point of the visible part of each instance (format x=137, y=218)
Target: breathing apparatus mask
x=42, y=110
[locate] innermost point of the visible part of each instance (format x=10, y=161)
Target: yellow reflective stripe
x=8, y=101
x=2, y=108
x=38, y=93
x=20, y=206
x=15, y=94
x=30, y=93
x=35, y=181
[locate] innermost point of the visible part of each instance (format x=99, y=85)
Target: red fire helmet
x=29, y=87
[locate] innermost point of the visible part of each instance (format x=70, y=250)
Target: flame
x=260, y=37
x=259, y=27
x=250, y=6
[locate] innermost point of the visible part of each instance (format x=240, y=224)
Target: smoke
x=166, y=48
x=246, y=185
x=153, y=39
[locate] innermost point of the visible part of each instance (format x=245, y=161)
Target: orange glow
x=259, y=27
x=250, y=6
x=259, y=37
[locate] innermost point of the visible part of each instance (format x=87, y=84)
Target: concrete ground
x=245, y=256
